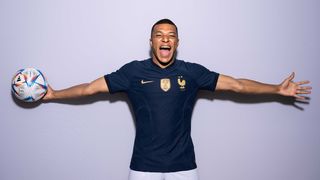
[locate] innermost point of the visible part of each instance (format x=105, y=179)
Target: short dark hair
x=164, y=21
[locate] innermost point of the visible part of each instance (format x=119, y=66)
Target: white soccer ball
x=29, y=85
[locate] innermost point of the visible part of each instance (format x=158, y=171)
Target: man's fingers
x=303, y=92
x=302, y=82
x=304, y=88
x=291, y=76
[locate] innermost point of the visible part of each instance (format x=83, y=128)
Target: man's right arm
x=97, y=86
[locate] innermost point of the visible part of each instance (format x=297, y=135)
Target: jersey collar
x=171, y=66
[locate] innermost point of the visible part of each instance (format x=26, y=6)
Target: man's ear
x=150, y=42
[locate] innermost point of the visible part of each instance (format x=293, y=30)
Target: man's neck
x=162, y=66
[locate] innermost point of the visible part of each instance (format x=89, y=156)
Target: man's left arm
x=287, y=88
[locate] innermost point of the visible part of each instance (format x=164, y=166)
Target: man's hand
x=50, y=94
x=295, y=89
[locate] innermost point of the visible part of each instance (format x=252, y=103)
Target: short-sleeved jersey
x=162, y=102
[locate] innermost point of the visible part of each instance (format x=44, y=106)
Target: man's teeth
x=165, y=47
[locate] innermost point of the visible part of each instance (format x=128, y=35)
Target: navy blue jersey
x=162, y=101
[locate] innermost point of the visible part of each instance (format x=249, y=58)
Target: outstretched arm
x=86, y=89
x=286, y=88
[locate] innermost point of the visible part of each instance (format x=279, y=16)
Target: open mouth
x=168, y=48
x=165, y=50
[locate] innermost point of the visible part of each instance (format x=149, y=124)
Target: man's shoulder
x=135, y=64
x=188, y=65
x=138, y=62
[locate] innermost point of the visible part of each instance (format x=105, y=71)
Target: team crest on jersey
x=165, y=84
x=182, y=83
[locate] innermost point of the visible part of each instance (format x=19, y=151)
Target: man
x=162, y=91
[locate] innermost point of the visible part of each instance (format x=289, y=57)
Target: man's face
x=164, y=42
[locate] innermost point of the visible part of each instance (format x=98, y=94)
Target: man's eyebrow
x=171, y=32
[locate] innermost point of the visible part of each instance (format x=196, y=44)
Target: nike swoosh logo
x=145, y=82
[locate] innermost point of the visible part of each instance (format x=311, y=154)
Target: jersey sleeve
x=206, y=79
x=118, y=81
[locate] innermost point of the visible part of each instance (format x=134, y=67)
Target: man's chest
x=166, y=84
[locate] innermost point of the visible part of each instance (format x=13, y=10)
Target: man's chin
x=165, y=61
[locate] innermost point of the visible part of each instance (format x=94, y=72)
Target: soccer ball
x=29, y=85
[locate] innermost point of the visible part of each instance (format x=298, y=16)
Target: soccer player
x=163, y=91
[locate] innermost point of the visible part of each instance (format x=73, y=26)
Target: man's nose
x=165, y=38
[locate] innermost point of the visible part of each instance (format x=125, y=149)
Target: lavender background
x=236, y=136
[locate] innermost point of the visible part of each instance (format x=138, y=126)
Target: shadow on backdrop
x=22, y=104
x=79, y=101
